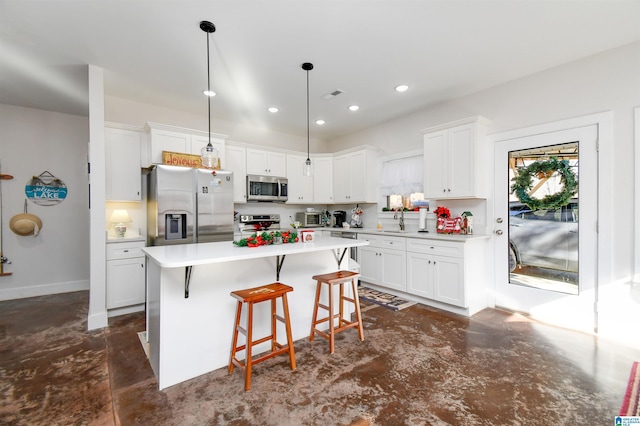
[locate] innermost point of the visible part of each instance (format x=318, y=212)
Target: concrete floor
x=418, y=366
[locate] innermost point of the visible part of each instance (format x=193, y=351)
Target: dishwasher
x=354, y=266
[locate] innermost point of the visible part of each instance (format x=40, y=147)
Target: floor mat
x=387, y=300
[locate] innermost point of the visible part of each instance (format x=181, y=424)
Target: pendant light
x=209, y=154
x=307, y=170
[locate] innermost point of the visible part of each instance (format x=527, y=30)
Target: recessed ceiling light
x=209, y=93
x=354, y=108
x=319, y=122
x=402, y=88
x=272, y=109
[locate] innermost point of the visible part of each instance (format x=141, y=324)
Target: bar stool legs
x=251, y=296
x=331, y=279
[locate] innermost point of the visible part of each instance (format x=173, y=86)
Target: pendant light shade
x=307, y=170
x=209, y=154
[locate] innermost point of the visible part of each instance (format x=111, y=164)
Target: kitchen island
x=190, y=313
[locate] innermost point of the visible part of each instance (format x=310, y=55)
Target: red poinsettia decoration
x=442, y=212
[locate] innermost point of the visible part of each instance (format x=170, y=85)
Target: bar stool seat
x=331, y=279
x=251, y=296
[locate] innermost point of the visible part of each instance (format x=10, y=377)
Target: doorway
x=545, y=211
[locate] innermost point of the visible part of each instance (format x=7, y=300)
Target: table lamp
x=120, y=217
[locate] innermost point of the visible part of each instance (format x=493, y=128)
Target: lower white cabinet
x=436, y=277
x=450, y=275
x=125, y=273
x=383, y=262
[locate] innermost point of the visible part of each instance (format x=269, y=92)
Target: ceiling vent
x=332, y=95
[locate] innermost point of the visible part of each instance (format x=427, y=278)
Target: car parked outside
x=544, y=238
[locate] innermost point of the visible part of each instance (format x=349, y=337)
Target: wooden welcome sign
x=184, y=160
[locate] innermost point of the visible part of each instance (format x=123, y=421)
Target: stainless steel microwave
x=309, y=219
x=267, y=188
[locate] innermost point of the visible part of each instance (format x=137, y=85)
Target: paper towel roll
x=423, y=219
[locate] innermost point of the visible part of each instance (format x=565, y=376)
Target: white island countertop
x=177, y=256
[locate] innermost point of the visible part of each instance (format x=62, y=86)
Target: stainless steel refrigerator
x=186, y=205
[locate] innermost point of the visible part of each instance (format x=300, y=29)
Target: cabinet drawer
x=374, y=240
x=125, y=250
x=396, y=243
x=435, y=247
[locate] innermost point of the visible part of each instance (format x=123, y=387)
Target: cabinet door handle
x=126, y=250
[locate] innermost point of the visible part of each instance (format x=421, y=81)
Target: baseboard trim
x=43, y=290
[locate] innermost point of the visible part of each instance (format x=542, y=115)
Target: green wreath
x=524, y=182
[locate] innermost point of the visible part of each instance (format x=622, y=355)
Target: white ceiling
x=154, y=52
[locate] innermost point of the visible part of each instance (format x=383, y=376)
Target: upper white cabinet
x=355, y=177
x=162, y=137
x=269, y=163
x=322, y=180
x=123, y=175
x=236, y=161
x=300, y=188
x=454, y=159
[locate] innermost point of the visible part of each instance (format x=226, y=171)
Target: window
x=401, y=181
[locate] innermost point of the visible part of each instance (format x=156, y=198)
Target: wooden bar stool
x=250, y=297
x=340, y=277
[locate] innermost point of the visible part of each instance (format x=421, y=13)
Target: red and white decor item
x=447, y=224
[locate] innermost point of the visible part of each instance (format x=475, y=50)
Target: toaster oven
x=309, y=219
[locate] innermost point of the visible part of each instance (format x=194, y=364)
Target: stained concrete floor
x=418, y=366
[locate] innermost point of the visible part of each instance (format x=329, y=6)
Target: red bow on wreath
x=442, y=212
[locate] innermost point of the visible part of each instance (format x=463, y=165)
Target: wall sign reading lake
x=46, y=190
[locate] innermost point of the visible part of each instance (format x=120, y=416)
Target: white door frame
x=604, y=122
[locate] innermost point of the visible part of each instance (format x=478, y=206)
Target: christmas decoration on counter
x=447, y=224
x=442, y=211
x=268, y=238
x=467, y=223
x=523, y=183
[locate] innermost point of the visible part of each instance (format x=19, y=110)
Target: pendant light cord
x=308, y=155
x=208, y=90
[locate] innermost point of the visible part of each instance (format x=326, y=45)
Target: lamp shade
x=120, y=216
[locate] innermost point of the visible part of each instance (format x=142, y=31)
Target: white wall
x=609, y=81
x=124, y=111
x=57, y=260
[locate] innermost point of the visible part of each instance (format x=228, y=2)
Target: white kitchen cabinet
x=355, y=177
x=455, y=159
x=268, y=163
x=300, y=189
x=125, y=273
x=162, y=137
x=383, y=261
x=322, y=180
x=236, y=161
x=436, y=277
x=436, y=270
x=123, y=174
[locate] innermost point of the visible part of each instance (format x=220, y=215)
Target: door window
x=543, y=217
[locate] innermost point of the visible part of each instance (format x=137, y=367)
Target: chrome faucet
x=401, y=221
